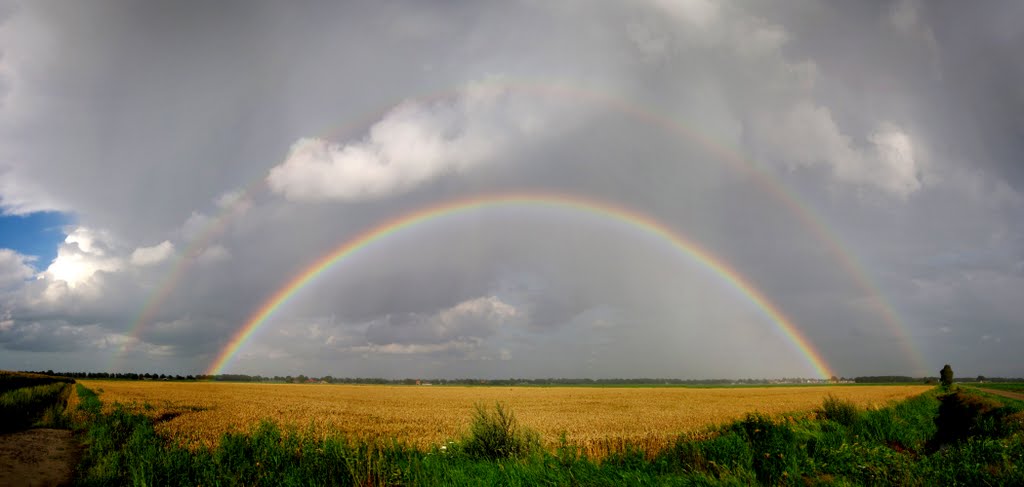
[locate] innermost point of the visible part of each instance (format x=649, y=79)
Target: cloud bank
x=210, y=153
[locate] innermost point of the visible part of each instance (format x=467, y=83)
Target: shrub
x=497, y=435
x=838, y=410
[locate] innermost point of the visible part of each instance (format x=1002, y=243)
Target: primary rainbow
x=638, y=221
x=578, y=91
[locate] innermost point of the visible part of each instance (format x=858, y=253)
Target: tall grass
x=42, y=404
x=10, y=381
x=887, y=446
x=835, y=409
x=497, y=435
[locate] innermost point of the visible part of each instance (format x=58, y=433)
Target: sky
x=836, y=188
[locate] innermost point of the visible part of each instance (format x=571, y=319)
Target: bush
x=497, y=435
x=838, y=410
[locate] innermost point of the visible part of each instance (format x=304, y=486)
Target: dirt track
x=1012, y=395
x=38, y=457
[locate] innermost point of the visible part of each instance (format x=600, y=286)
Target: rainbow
x=635, y=220
x=183, y=260
x=577, y=91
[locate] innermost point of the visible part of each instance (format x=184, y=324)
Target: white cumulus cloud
x=14, y=268
x=807, y=135
x=83, y=254
x=413, y=144
x=144, y=256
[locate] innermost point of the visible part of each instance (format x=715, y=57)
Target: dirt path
x=38, y=457
x=1012, y=395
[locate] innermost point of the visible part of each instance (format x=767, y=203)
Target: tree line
x=874, y=379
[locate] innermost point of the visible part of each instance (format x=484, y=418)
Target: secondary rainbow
x=638, y=221
x=580, y=92
x=183, y=261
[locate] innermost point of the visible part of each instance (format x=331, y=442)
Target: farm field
x=1003, y=386
x=597, y=419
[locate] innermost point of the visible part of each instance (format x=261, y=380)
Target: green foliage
x=497, y=435
x=904, y=427
x=88, y=401
x=838, y=410
x=10, y=381
x=772, y=446
x=21, y=408
x=946, y=376
x=963, y=415
x=977, y=461
x=28, y=400
x=1005, y=386
x=727, y=452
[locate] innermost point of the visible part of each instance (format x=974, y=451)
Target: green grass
x=41, y=405
x=842, y=412
x=1009, y=401
x=1001, y=386
x=932, y=439
x=497, y=435
x=10, y=381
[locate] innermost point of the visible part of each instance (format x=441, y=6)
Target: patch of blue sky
x=36, y=234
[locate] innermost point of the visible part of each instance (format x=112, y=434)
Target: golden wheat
x=597, y=419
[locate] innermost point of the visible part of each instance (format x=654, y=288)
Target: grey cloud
x=164, y=113
x=15, y=268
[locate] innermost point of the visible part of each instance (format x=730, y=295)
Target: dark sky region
x=166, y=167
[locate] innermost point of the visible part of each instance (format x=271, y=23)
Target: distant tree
x=834, y=379
x=981, y=378
x=946, y=376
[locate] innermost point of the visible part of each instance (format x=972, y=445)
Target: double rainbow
x=640, y=222
x=578, y=92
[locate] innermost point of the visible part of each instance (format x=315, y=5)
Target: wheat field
x=597, y=419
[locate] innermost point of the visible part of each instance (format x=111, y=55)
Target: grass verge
x=40, y=405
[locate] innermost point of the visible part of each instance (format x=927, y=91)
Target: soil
x=38, y=457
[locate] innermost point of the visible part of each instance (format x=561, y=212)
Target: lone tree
x=946, y=376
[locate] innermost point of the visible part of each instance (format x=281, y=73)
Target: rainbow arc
x=637, y=221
